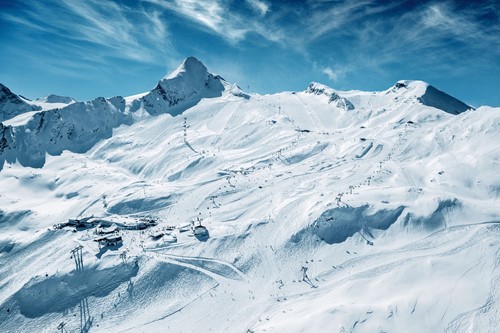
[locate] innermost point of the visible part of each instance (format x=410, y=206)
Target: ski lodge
x=109, y=241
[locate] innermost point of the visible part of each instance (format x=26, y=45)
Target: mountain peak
x=189, y=66
x=182, y=88
x=56, y=99
x=333, y=97
x=414, y=85
x=428, y=95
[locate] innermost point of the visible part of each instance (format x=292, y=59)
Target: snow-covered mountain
x=428, y=95
x=347, y=211
x=53, y=102
x=78, y=126
x=179, y=90
x=55, y=99
x=12, y=105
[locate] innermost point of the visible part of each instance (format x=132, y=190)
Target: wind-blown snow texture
x=387, y=200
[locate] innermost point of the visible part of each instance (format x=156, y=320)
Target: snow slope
x=388, y=199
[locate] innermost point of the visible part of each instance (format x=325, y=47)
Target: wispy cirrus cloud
x=444, y=34
x=209, y=14
x=447, y=36
x=467, y=24
x=375, y=32
x=119, y=31
x=223, y=18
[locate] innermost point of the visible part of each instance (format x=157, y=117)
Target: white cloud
x=260, y=6
x=330, y=73
x=336, y=72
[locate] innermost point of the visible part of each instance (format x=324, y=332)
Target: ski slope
x=388, y=199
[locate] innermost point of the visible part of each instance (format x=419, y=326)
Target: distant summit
x=404, y=91
x=429, y=95
x=56, y=99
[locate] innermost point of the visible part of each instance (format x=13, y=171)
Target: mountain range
x=344, y=211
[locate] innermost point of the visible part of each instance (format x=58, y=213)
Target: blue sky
x=90, y=48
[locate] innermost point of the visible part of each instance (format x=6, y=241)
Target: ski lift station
x=109, y=241
x=197, y=228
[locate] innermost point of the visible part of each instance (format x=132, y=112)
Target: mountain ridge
x=178, y=91
x=192, y=78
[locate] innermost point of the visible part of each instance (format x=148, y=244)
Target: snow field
x=391, y=205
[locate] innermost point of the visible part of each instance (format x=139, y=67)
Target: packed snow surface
x=197, y=207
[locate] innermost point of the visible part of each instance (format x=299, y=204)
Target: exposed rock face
x=12, y=105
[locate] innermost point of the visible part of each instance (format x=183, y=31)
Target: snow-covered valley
x=324, y=210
